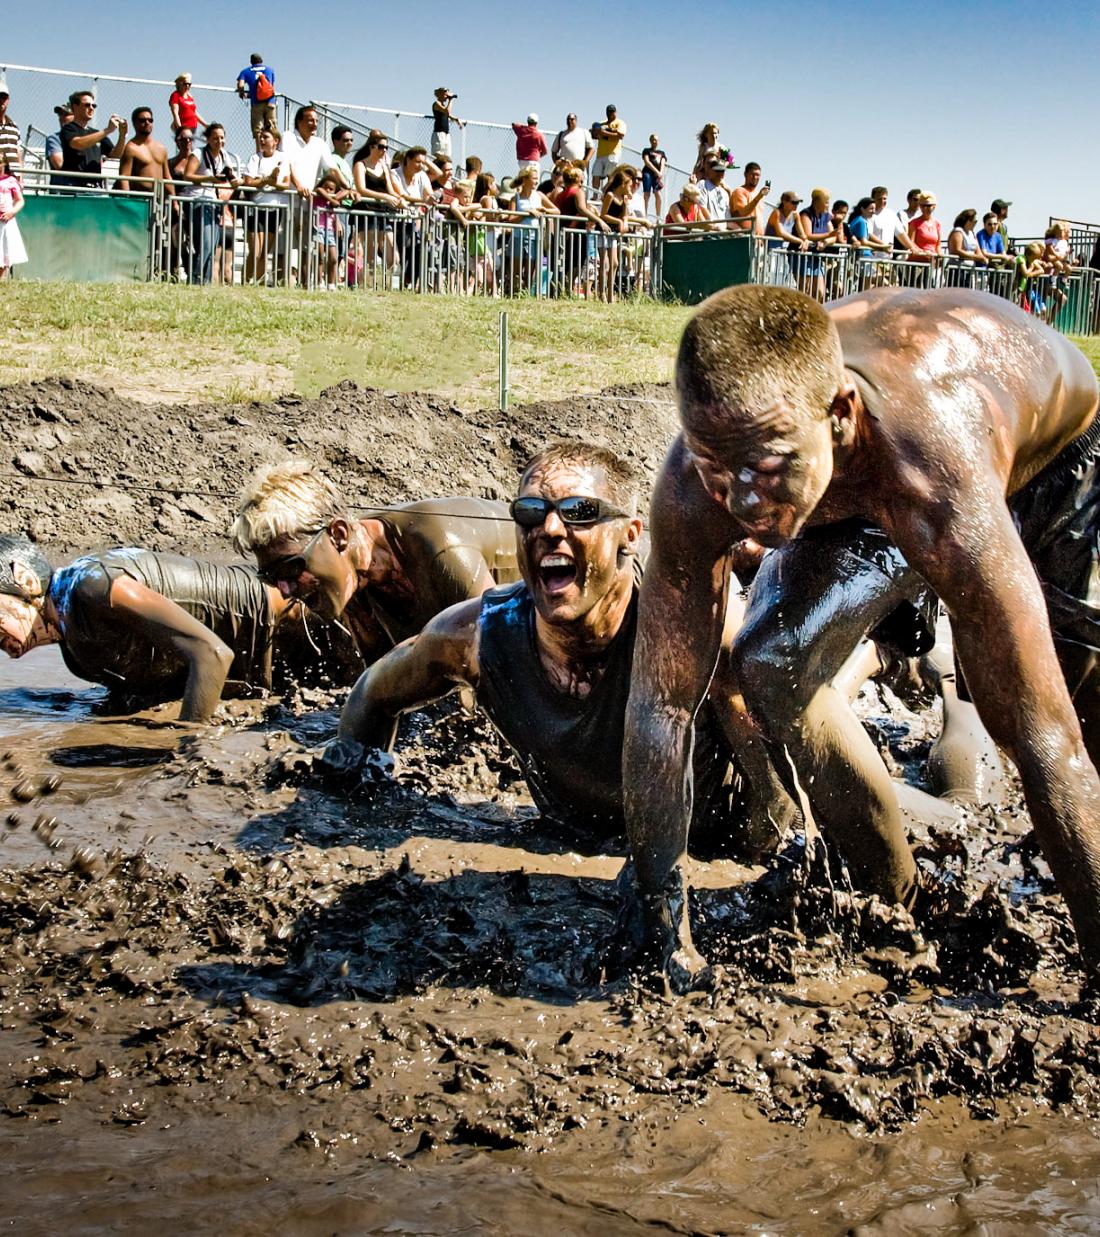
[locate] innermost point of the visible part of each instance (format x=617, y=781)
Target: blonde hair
x=285, y=500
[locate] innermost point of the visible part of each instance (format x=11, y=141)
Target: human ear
x=842, y=415
x=339, y=534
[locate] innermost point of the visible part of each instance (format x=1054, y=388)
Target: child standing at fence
x=12, y=250
x=326, y=197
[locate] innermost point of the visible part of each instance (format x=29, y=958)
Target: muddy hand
x=653, y=934
x=347, y=760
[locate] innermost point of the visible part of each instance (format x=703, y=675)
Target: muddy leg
x=1081, y=666
x=810, y=605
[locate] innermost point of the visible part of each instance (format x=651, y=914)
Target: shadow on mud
x=398, y=935
x=109, y=756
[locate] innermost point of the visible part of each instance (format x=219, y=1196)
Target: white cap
x=533, y=118
x=4, y=85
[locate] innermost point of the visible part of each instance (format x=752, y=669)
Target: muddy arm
x=164, y=623
x=430, y=665
x=981, y=571
x=680, y=621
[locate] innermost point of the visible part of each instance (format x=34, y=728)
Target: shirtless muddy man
x=942, y=433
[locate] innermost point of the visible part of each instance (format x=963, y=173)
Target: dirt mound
x=379, y=446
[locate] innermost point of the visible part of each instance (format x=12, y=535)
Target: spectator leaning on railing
x=889, y=232
x=990, y=240
x=926, y=232
x=9, y=134
x=84, y=148
x=265, y=174
x=257, y=82
x=747, y=204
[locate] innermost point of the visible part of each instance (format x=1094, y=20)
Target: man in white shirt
x=573, y=143
x=307, y=156
x=887, y=227
x=713, y=193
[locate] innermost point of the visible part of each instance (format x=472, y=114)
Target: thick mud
x=78, y=456
x=227, y=989
x=231, y=995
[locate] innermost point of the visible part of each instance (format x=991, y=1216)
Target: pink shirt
x=925, y=234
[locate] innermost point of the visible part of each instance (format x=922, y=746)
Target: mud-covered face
x=770, y=475
x=311, y=569
x=17, y=624
x=570, y=568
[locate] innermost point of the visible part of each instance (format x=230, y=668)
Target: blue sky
x=996, y=100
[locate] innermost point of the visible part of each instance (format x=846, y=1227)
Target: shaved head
x=749, y=347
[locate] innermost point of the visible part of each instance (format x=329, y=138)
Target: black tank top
x=571, y=750
x=228, y=599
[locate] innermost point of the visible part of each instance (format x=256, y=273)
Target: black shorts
x=1057, y=515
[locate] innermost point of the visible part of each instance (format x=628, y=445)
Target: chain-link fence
x=35, y=92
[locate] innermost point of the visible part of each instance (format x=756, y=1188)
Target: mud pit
x=229, y=995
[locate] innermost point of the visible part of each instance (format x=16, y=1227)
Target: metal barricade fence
x=433, y=250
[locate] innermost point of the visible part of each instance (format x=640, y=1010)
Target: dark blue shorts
x=650, y=183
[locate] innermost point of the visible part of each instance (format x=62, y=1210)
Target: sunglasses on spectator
x=290, y=568
x=579, y=509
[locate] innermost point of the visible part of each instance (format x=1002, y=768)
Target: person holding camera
x=83, y=148
x=216, y=174
x=441, y=122
x=748, y=210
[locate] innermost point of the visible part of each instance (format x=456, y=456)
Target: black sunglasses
x=290, y=568
x=530, y=512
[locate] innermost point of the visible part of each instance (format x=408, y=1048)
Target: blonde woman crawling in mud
x=386, y=573
x=943, y=433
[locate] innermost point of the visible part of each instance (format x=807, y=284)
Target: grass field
x=161, y=342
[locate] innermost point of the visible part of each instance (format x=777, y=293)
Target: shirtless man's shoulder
x=941, y=368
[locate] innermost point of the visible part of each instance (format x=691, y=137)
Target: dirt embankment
x=379, y=446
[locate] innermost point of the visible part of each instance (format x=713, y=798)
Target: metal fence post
x=503, y=353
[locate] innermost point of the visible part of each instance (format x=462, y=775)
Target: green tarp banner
x=87, y=239
x=692, y=269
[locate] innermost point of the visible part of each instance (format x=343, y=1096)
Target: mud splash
x=223, y=987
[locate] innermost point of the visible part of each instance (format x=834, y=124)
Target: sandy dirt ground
x=232, y=995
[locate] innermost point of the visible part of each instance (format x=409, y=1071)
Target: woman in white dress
x=12, y=250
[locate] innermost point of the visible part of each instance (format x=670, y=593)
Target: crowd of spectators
x=571, y=212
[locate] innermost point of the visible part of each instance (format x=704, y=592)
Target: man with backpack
x=258, y=82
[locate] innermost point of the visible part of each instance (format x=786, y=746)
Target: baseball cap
x=4, y=86
x=999, y=204
x=532, y=118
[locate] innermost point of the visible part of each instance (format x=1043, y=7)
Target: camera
x=451, y=94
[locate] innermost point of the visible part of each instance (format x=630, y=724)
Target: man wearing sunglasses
x=550, y=659
x=384, y=574
x=153, y=627
x=84, y=148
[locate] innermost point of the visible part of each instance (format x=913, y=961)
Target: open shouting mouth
x=557, y=572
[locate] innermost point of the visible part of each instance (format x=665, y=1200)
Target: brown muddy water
x=233, y=999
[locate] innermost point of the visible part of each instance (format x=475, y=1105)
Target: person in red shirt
x=530, y=144
x=185, y=111
x=924, y=231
